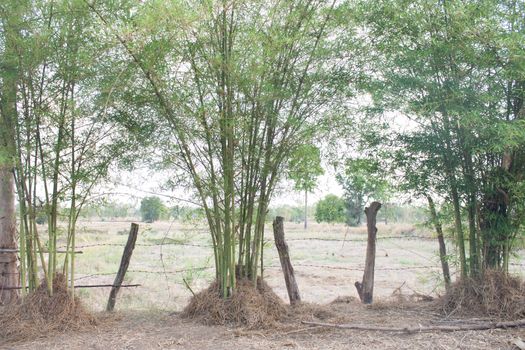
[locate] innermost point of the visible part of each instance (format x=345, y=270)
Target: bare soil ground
x=143, y=330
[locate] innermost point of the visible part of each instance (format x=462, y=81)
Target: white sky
x=130, y=187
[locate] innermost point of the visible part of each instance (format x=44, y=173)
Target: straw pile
x=39, y=314
x=494, y=294
x=249, y=307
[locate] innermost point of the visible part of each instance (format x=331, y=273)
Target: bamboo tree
x=250, y=94
x=452, y=86
x=61, y=145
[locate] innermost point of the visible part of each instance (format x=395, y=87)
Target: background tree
x=330, y=209
x=304, y=168
x=362, y=180
x=151, y=209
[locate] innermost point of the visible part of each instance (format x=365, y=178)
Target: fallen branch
x=303, y=330
x=469, y=327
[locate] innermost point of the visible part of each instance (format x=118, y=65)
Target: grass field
x=328, y=259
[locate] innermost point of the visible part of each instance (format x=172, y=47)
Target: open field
x=328, y=259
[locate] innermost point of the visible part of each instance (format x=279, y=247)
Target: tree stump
x=365, y=289
x=284, y=257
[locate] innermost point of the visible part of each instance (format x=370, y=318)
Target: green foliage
x=330, y=209
x=288, y=212
x=61, y=142
x=41, y=217
x=451, y=69
x=187, y=214
x=304, y=167
x=229, y=97
x=108, y=210
x=151, y=209
x=362, y=181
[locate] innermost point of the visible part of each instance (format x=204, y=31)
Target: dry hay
x=39, y=314
x=401, y=298
x=250, y=307
x=494, y=294
x=310, y=312
x=345, y=300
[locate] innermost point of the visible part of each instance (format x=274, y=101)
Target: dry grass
x=495, y=294
x=39, y=314
x=250, y=307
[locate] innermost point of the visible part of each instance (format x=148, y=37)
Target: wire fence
x=323, y=266
x=150, y=263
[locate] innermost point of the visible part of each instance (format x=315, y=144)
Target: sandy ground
x=139, y=330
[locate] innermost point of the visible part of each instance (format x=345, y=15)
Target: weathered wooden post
x=365, y=289
x=124, y=263
x=282, y=248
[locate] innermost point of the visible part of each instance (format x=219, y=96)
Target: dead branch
x=419, y=329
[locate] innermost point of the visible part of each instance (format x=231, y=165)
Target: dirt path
x=132, y=330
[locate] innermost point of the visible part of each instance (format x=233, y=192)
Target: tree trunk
x=9, y=276
x=494, y=226
x=366, y=288
x=8, y=260
x=441, y=240
x=471, y=205
x=282, y=248
x=305, y=209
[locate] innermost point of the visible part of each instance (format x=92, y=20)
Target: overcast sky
x=130, y=187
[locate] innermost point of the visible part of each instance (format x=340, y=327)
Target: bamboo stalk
x=23, y=269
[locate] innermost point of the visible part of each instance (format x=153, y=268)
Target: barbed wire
x=173, y=272
x=144, y=245
x=359, y=268
x=364, y=240
x=202, y=245
x=202, y=268
x=95, y=275
x=517, y=264
x=275, y=266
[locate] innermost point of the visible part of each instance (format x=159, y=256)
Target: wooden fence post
x=365, y=289
x=124, y=263
x=282, y=248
